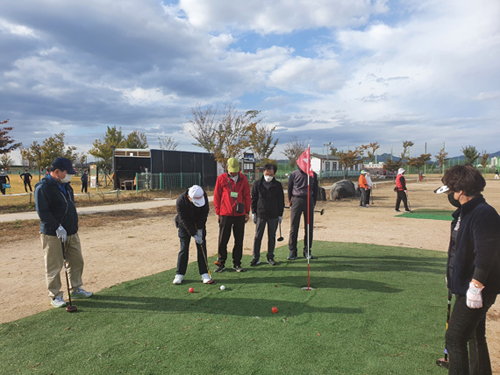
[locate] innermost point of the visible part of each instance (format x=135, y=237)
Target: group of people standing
x=234, y=201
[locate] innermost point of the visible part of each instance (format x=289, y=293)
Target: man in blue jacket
x=55, y=205
x=268, y=202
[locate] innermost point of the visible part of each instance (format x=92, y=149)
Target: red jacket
x=400, y=183
x=224, y=204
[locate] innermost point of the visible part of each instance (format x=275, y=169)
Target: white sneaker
x=58, y=301
x=80, y=293
x=178, y=279
x=206, y=278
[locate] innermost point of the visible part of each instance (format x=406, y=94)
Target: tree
x=470, y=154
x=371, y=154
x=5, y=161
x=393, y=166
x=294, y=149
x=103, y=150
x=43, y=155
x=224, y=133
x=261, y=141
x=441, y=158
x=6, y=140
x=333, y=150
x=167, y=143
x=484, y=158
x=419, y=161
x=136, y=139
x=405, y=153
x=349, y=158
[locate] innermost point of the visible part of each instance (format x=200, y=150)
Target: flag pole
x=308, y=213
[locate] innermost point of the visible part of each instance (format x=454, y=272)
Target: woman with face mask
x=473, y=270
x=55, y=205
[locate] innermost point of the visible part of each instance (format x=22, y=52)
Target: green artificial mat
x=429, y=214
x=373, y=310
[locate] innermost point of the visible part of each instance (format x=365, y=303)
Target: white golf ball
x=222, y=287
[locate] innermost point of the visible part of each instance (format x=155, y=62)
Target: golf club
x=443, y=362
x=281, y=236
x=217, y=263
x=408, y=200
x=320, y=212
x=200, y=248
x=69, y=308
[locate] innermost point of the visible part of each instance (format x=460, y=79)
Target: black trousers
x=368, y=192
x=84, y=186
x=26, y=185
x=236, y=224
x=260, y=227
x=182, y=259
x=468, y=326
x=299, y=208
x=362, y=198
x=402, y=197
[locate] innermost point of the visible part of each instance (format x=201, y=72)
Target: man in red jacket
x=232, y=205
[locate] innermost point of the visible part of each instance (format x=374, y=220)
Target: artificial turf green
x=429, y=214
x=371, y=312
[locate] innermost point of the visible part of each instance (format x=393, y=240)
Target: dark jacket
x=477, y=253
x=85, y=178
x=190, y=217
x=297, y=185
x=54, y=207
x=268, y=203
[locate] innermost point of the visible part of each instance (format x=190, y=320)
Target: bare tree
x=294, y=149
x=371, y=149
x=224, y=133
x=167, y=143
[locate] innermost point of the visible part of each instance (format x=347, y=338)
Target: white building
x=329, y=166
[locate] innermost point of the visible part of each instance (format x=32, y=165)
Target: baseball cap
x=442, y=189
x=363, y=172
x=197, y=195
x=233, y=165
x=63, y=164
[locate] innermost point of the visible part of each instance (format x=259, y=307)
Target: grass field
x=429, y=214
x=370, y=313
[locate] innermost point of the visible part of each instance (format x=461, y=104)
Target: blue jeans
x=468, y=326
x=182, y=259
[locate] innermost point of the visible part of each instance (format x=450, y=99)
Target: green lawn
x=429, y=214
x=370, y=313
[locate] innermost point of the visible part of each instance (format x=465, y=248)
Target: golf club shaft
x=448, y=314
x=200, y=248
x=66, y=271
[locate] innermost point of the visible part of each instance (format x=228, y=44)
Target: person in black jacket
x=268, y=203
x=26, y=177
x=55, y=205
x=85, y=181
x=473, y=269
x=3, y=180
x=192, y=212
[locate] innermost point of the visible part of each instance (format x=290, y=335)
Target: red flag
x=304, y=162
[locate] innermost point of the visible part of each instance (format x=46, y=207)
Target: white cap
x=442, y=189
x=401, y=171
x=197, y=195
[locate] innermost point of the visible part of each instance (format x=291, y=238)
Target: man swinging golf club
x=192, y=212
x=55, y=206
x=268, y=202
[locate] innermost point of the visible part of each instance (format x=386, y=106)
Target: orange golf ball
x=274, y=309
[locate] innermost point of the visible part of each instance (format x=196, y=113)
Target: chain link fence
x=166, y=181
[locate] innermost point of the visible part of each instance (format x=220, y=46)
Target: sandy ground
x=124, y=250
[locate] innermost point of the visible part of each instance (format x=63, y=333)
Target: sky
x=346, y=72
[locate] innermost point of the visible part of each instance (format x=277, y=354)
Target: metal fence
x=164, y=181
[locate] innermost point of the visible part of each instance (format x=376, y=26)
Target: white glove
x=61, y=233
x=254, y=218
x=198, y=239
x=199, y=232
x=280, y=219
x=474, y=297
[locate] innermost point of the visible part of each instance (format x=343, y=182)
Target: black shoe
x=220, y=268
x=397, y=210
x=292, y=256
x=254, y=262
x=310, y=256
x=272, y=262
x=238, y=268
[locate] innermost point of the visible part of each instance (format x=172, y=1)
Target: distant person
x=401, y=190
x=368, y=189
x=232, y=206
x=473, y=270
x=26, y=177
x=192, y=212
x=297, y=198
x=3, y=180
x=55, y=205
x=268, y=203
x=496, y=175
x=363, y=186
x=85, y=181
x=420, y=176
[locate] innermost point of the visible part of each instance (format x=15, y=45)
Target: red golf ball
x=274, y=309
x=191, y=290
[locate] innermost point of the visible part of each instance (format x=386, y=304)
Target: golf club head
x=217, y=263
x=442, y=363
x=322, y=211
x=71, y=308
x=212, y=281
x=280, y=239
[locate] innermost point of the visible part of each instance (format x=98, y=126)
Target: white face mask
x=268, y=178
x=66, y=179
x=235, y=178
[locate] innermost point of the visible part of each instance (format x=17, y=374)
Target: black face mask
x=454, y=202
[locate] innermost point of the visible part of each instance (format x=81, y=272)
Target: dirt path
x=121, y=250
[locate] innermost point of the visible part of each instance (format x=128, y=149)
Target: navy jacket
x=297, y=185
x=268, y=203
x=54, y=207
x=189, y=216
x=477, y=253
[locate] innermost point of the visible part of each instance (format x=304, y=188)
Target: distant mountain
x=385, y=156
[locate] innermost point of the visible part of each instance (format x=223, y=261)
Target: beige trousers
x=52, y=247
